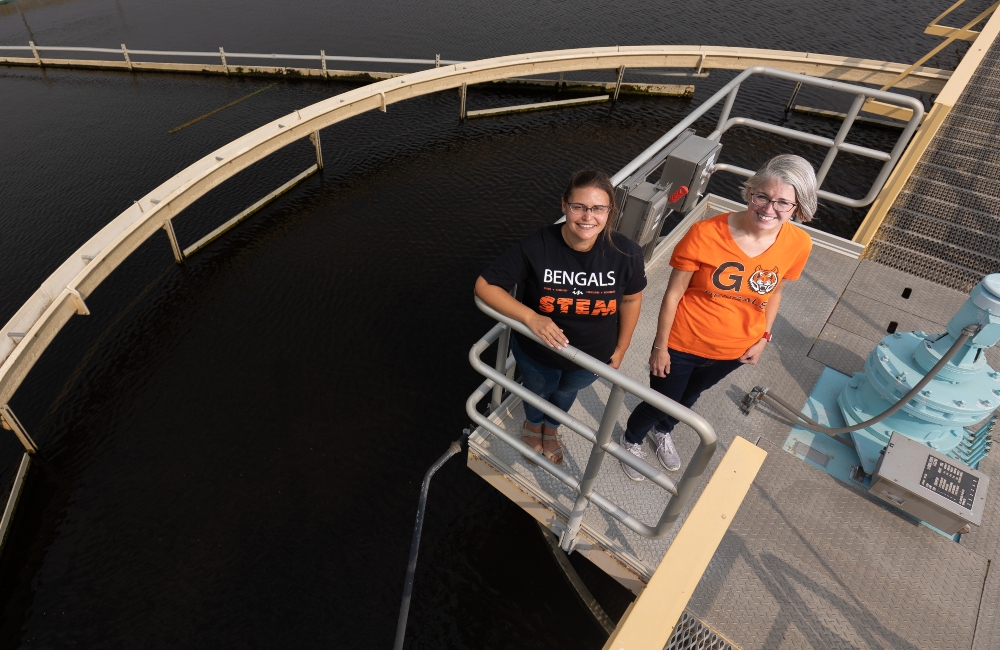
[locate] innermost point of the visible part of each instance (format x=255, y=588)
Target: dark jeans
x=690, y=376
x=556, y=386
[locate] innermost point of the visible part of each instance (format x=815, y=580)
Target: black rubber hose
x=411, y=568
x=810, y=424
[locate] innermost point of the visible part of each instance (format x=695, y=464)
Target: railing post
x=10, y=422
x=859, y=101
x=685, y=487
x=795, y=93
x=503, y=346
x=501, y=365
x=225, y=66
x=322, y=60
x=128, y=61
x=168, y=225
x=726, y=110
x=618, y=83
x=314, y=137
x=611, y=410
x=461, y=94
x=34, y=50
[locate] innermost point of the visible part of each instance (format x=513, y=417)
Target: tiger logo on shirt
x=763, y=282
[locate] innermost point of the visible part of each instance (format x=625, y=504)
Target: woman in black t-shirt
x=582, y=284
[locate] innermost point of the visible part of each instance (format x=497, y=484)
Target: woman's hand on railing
x=616, y=358
x=545, y=328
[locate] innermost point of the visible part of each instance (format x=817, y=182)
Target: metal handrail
x=601, y=439
x=699, y=58
x=229, y=55
x=834, y=145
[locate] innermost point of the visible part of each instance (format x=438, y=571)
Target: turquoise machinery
x=963, y=392
x=930, y=389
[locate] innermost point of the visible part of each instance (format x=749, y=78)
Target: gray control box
x=686, y=162
x=929, y=485
x=643, y=213
x=689, y=165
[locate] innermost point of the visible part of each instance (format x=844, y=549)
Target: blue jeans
x=690, y=376
x=557, y=386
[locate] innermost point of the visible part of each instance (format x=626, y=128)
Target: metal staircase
x=945, y=225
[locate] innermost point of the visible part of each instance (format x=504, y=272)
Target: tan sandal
x=554, y=455
x=527, y=434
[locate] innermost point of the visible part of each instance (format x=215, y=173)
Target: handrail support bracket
x=314, y=138
x=10, y=422
x=78, y=302
x=128, y=61
x=168, y=226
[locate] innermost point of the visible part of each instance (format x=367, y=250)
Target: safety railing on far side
x=834, y=145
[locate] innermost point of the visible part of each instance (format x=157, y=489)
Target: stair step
x=918, y=263
x=981, y=93
x=989, y=129
x=956, y=256
x=949, y=194
x=920, y=202
x=967, y=181
x=979, y=112
x=980, y=166
x=984, y=246
x=965, y=143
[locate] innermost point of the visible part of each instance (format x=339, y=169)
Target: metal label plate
x=949, y=481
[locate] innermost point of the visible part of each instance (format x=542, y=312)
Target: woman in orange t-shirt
x=723, y=296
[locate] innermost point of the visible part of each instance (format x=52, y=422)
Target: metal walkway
x=945, y=225
x=809, y=562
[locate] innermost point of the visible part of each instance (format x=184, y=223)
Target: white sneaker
x=666, y=452
x=634, y=448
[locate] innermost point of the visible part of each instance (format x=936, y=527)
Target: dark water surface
x=233, y=447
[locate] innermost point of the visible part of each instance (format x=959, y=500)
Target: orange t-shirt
x=722, y=312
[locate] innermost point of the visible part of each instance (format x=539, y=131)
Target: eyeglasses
x=781, y=206
x=598, y=210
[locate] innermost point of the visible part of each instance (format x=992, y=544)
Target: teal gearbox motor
x=963, y=392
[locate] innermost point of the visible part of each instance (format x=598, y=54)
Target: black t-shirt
x=581, y=292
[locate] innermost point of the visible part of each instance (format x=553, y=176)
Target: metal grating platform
x=692, y=634
x=809, y=563
x=873, y=301
x=944, y=226
x=786, y=368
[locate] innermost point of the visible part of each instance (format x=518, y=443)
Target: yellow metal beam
x=945, y=43
x=935, y=28
x=887, y=110
x=947, y=11
x=651, y=619
x=957, y=32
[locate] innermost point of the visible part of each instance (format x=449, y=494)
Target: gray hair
x=793, y=170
